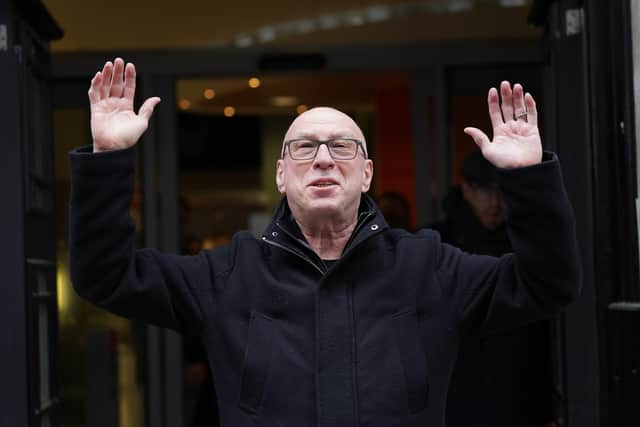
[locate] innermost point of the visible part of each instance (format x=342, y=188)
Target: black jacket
x=503, y=380
x=369, y=341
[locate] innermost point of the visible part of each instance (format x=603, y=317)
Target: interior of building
x=413, y=74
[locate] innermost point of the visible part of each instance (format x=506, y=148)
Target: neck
x=328, y=238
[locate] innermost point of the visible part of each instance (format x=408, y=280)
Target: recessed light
x=284, y=101
x=229, y=111
x=254, y=82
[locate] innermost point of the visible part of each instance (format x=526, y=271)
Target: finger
x=94, y=89
x=130, y=83
x=494, y=108
x=479, y=137
x=520, y=111
x=507, y=101
x=117, y=82
x=106, y=79
x=147, y=107
x=532, y=112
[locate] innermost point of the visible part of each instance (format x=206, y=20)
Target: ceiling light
x=328, y=22
x=184, y=104
x=254, y=82
x=459, y=5
x=243, y=40
x=284, y=101
x=229, y=111
x=354, y=19
x=266, y=34
x=301, y=108
x=305, y=26
x=512, y=3
x=209, y=94
x=378, y=13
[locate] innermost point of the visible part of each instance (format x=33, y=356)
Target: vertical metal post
x=579, y=384
x=443, y=146
x=160, y=180
x=635, y=39
x=420, y=91
x=166, y=138
x=154, y=399
x=14, y=404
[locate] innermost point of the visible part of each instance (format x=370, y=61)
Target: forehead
x=323, y=123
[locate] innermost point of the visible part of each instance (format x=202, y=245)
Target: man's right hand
x=114, y=124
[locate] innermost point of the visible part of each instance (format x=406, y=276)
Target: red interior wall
x=393, y=164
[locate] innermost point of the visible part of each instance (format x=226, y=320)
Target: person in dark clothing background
x=502, y=380
x=331, y=318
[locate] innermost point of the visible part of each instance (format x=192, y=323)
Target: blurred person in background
x=503, y=380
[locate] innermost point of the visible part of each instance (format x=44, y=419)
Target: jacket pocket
x=413, y=358
x=257, y=362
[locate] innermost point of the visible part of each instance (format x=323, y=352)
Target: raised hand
x=114, y=124
x=516, y=139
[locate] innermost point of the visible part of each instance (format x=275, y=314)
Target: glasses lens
x=343, y=148
x=302, y=149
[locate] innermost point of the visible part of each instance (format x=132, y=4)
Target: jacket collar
x=284, y=230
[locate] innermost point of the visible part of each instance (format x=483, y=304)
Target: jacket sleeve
x=162, y=289
x=490, y=294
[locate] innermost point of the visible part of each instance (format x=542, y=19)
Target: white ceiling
x=159, y=24
x=118, y=25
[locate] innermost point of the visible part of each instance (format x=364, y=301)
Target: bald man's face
x=323, y=185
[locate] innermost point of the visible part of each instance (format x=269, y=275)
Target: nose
x=496, y=200
x=323, y=158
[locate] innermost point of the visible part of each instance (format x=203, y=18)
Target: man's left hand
x=516, y=139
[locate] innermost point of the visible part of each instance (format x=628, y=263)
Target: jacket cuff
x=83, y=161
x=549, y=165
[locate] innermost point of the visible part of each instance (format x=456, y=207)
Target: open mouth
x=323, y=183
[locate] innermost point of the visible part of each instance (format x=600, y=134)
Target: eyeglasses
x=307, y=148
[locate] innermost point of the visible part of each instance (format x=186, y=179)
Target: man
x=502, y=380
x=331, y=319
x=476, y=211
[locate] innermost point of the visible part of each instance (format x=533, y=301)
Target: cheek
x=294, y=180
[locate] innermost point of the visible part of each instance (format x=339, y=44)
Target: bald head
x=324, y=123
x=324, y=192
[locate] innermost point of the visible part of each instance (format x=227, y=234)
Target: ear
x=367, y=175
x=280, y=176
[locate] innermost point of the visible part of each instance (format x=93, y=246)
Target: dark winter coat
x=502, y=380
x=369, y=341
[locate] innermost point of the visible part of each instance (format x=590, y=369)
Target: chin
x=325, y=205
x=492, y=223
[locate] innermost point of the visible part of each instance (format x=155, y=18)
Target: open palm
x=516, y=139
x=114, y=124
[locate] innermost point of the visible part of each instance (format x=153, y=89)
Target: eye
x=304, y=144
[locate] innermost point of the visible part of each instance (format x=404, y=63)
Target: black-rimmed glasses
x=307, y=148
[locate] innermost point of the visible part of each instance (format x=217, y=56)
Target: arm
x=105, y=268
x=542, y=274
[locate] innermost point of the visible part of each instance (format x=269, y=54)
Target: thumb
x=146, y=110
x=479, y=137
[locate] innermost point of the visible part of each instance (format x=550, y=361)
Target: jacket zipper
x=350, y=295
x=298, y=254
